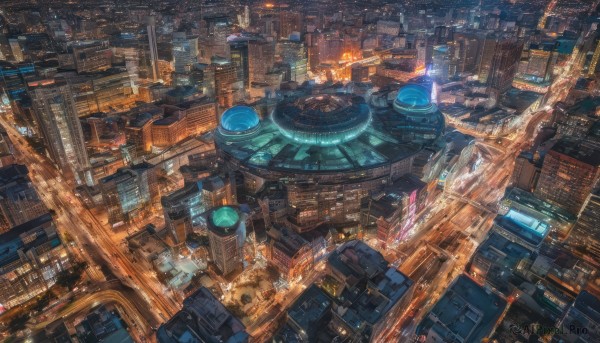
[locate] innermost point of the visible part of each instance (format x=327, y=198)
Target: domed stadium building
x=331, y=151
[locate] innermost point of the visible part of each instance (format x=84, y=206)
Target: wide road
x=96, y=241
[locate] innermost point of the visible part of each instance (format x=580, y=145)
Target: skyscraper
x=505, y=64
x=153, y=49
x=128, y=191
x=570, y=171
x=585, y=235
x=59, y=125
x=226, y=234
x=185, y=52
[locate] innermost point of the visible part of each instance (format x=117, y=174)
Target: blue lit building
x=331, y=149
x=13, y=78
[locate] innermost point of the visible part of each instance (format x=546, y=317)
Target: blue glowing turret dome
x=414, y=99
x=413, y=95
x=239, y=119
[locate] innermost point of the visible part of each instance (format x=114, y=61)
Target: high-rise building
x=261, y=57
x=581, y=321
x=505, y=64
x=151, y=28
x=32, y=257
x=19, y=202
x=526, y=172
x=585, y=235
x=238, y=50
x=185, y=52
x=293, y=54
x=291, y=254
x=128, y=192
x=182, y=209
x=92, y=57
x=226, y=234
x=6, y=149
x=570, y=171
x=58, y=122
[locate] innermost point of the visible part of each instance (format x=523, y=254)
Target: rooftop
x=467, y=312
x=202, y=319
x=323, y=134
x=26, y=236
x=309, y=308
x=578, y=150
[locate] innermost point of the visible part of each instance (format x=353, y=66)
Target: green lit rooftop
x=225, y=217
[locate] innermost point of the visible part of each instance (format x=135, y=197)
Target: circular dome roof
x=322, y=120
x=413, y=95
x=225, y=217
x=239, y=119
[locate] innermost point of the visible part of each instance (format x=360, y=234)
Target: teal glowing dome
x=225, y=217
x=239, y=119
x=413, y=95
x=322, y=120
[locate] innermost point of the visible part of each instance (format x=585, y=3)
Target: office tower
x=15, y=47
x=153, y=49
x=216, y=44
x=595, y=57
x=239, y=58
x=440, y=63
x=19, y=202
x=294, y=55
x=6, y=149
x=228, y=89
x=526, y=172
x=585, y=235
x=261, y=57
x=202, y=319
x=291, y=254
x=32, y=257
x=100, y=91
x=443, y=34
x=505, y=64
x=182, y=209
x=128, y=192
x=488, y=48
x=468, y=46
x=581, y=321
x=92, y=57
x=185, y=52
x=58, y=122
x=290, y=22
x=541, y=63
x=570, y=171
x=226, y=234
